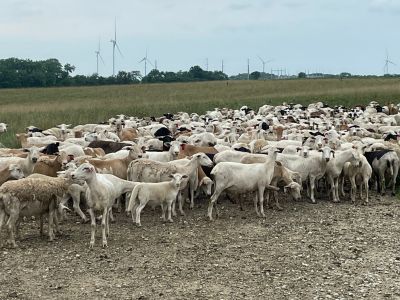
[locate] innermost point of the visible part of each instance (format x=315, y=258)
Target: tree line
x=16, y=73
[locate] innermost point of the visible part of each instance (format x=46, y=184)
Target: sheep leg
x=336, y=180
x=104, y=226
x=366, y=190
x=163, y=207
x=332, y=188
x=261, y=199
x=180, y=202
x=138, y=211
x=256, y=205
x=213, y=199
x=92, y=227
x=382, y=181
x=353, y=191
x=51, y=224
x=133, y=211
x=127, y=198
x=312, y=188
x=41, y=224
x=2, y=218
x=12, y=219
x=395, y=172
x=112, y=216
x=191, y=190
x=108, y=223
x=278, y=206
x=169, y=204
x=342, y=187
x=56, y=224
x=76, y=199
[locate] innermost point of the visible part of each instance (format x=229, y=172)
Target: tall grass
x=47, y=107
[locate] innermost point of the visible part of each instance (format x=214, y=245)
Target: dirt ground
x=306, y=251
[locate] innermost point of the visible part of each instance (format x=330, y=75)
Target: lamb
x=3, y=127
x=145, y=170
x=160, y=193
x=11, y=172
x=101, y=193
x=30, y=197
x=26, y=164
x=359, y=174
x=237, y=177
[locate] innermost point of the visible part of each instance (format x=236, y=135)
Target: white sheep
x=102, y=191
x=243, y=178
x=160, y=193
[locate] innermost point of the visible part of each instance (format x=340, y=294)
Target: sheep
x=108, y=146
x=381, y=162
x=160, y=193
x=117, y=167
x=3, y=127
x=290, y=178
x=166, y=156
x=30, y=197
x=101, y=193
x=359, y=174
x=239, y=178
x=26, y=164
x=335, y=166
x=145, y=170
x=310, y=168
x=50, y=167
x=11, y=172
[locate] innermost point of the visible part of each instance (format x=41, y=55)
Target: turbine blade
x=149, y=62
x=119, y=50
x=142, y=60
x=261, y=59
x=102, y=60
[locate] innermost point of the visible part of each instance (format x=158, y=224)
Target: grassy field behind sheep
x=46, y=107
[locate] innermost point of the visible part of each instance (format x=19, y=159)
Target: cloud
x=386, y=6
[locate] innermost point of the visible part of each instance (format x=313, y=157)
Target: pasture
x=46, y=107
x=306, y=251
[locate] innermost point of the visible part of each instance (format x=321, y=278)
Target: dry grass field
x=46, y=107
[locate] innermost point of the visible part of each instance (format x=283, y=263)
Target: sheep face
x=3, y=127
x=294, y=189
x=16, y=172
x=203, y=159
x=84, y=172
x=178, y=179
x=33, y=154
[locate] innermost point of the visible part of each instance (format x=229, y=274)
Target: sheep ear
x=285, y=188
x=320, y=150
x=278, y=163
x=185, y=176
x=170, y=176
x=333, y=153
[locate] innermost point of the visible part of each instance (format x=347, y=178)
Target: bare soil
x=306, y=251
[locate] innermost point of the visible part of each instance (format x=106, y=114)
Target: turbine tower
x=97, y=58
x=264, y=63
x=387, y=62
x=145, y=60
x=115, y=45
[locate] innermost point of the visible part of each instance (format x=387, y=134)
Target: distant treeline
x=16, y=73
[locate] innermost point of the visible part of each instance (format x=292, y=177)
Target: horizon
x=300, y=36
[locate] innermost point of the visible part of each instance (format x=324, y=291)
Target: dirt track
x=322, y=251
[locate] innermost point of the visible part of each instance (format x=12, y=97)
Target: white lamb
x=160, y=193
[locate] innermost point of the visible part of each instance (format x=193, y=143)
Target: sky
x=329, y=36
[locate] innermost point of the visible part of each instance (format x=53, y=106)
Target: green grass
x=47, y=107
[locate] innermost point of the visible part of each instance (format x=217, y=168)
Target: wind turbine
x=387, y=62
x=115, y=44
x=145, y=60
x=264, y=62
x=97, y=58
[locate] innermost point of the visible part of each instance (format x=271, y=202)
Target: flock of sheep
x=132, y=162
